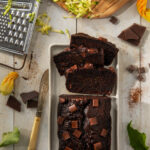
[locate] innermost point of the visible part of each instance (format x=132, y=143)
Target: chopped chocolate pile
x=84, y=122
x=133, y=34
x=33, y=95
x=91, y=81
x=114, y=20
x=14, y=103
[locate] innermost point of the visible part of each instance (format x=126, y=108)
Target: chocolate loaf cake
x=84, y=122
x=78, y=56
x=88, y=80
x=110, y=50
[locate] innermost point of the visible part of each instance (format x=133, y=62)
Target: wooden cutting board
x=104, y=9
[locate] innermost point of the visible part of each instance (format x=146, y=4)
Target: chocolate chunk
x=66, y=135
x=133, y=34
x=95, y=103
x=60, y=120
x=98, y=146
x=114, y=20
x=33, y=95
x=93, y=121
x=103, y=133
x=72, y=108
x=77, y=133
x=68, y=148
x=14, y=103
x=74, y=124
x=32, y=104
x=61, y=100
x=141, y=70
x=140, y=77
x=131, y=68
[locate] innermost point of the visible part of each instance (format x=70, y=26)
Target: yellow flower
x=7, y=85
x=143, y=10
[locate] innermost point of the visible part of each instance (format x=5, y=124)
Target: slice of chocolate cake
x=84, y=122
x=78, y=56
x=110, y=50
x=88, y=80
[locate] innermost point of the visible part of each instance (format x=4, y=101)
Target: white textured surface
x=40, y=46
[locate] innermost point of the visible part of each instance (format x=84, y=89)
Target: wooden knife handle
x=34, y=134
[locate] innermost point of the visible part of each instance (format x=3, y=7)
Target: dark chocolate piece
x=131, y=68
x=68, y=148
x=104, y=132
x=77, y=133
x=60, y=120
x=66, y=135
x=141, y=70
x=91, y=81
x=94, y=123
x=33, y=95
x=74, y=124
x=133, y=34
x=14, y=103
x=32, y=104
x=95, y=103
x=78, y=56
x=110, y=50
x=98, y=146
x=140, y=77
x=114, y=20
x=72, y=108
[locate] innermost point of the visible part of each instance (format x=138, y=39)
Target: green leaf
x=10, y=138
x=137, y=139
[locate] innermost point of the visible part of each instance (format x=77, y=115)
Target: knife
x=36, y=125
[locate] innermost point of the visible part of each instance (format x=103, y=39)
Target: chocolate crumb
x=60, y=120
x=140, y=77
x=141, y=70
x=135, y=95
x=104, y=133
x=114, y=20
x=72, y=108
x=14, y=103
x=131, y=68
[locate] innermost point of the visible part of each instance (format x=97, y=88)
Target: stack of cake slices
x=84, y=121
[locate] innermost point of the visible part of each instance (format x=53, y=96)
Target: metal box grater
x=15, y=37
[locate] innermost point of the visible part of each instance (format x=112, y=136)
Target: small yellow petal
x=7, y=85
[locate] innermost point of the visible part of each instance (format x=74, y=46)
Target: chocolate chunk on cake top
x=78, y=56
x=91, y=81
x=133, y=34
x=87, y=128
x=110, y=50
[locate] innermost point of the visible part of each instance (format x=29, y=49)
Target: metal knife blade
x=44, y=86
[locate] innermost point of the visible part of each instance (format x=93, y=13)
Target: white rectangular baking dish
x=57, y=87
